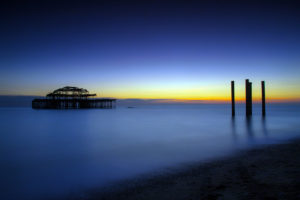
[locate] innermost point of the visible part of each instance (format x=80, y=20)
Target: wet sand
x=268, y=172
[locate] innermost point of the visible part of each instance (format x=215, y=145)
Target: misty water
x=53, y=153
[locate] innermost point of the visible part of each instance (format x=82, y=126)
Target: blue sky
x=150, y=49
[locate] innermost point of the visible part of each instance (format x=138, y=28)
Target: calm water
x=49, y=153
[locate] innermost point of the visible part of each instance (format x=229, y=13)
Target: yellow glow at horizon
x=213, y=93
x=206, y=92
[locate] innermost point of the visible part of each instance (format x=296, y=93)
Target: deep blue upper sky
x=159, y=49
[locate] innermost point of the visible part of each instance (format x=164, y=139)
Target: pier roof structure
x=70, y=92
x=72, y=98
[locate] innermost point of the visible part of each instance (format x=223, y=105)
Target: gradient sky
x=151, y=49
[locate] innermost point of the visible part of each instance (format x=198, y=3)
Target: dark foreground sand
x=270, y=172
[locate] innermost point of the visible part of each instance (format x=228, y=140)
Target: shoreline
x=265, y=172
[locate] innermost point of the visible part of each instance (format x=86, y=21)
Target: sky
x=182, y=50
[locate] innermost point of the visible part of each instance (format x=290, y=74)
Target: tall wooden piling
x=263, y=98
x=250, y=97
x=247, y=96
x=248, y=87
x=232, y=99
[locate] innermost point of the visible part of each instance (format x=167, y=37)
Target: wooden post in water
x=263, y=98
x=250, y=97
x=247, y=96
x=232, y=99
x=248, y=86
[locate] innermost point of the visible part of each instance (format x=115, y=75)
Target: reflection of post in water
x=233, y=129
x=249, y=127
x=264, y=126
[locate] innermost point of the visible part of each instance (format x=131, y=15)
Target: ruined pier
x=72, y=98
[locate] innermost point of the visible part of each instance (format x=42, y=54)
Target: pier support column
x=250, y=97
x=232, y=99
x=263, y=98
x=248, y=86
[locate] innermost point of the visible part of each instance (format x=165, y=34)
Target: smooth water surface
x=52, y=153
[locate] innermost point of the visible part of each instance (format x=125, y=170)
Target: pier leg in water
x=263, y=98
x=248, y=86
x=250, y=97
x=232, y=99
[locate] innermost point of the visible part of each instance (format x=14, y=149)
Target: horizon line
x=187, y=100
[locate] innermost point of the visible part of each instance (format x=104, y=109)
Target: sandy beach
x=268, y=172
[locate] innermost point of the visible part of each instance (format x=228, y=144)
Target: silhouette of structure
x=248, y=87
x=263, y=98
x=232, y=99
x=72, y=98
x=248, y=98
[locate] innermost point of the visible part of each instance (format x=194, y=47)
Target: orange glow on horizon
x=216, y=101
x=176, y=93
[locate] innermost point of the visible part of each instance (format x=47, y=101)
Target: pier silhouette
x=72, y=98
x=248, y=99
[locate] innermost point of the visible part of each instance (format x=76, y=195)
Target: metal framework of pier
x=72, y=98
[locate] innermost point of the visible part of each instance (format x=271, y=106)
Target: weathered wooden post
x=247, y=96
x=263, y=98
x=232, y=99
x=250, y=97
x=248, y=86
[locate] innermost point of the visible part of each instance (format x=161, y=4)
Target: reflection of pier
x=72, y=98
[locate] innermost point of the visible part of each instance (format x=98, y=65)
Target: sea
x=56, y=153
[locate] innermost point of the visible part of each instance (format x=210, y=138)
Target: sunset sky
x=151, y=49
